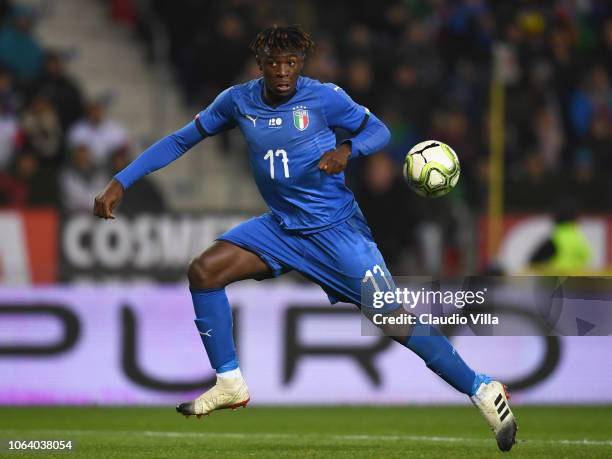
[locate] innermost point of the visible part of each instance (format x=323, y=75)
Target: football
x=431, y=168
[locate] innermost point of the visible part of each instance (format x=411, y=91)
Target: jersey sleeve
x=218, y=116
x=160, y=154
x=340, y=110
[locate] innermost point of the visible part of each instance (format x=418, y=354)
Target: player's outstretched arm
x=161, y=153
x=372, y=138
x=153, y=158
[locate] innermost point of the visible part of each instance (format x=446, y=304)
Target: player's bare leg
x=223, y=263
x=220, y=265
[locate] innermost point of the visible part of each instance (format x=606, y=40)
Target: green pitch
x=338, y=432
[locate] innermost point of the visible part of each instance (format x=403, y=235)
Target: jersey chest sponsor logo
x=300, y=118
x=275, y=123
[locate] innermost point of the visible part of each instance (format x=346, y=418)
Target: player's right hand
x=108, y=199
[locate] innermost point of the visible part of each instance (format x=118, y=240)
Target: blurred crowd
x=424, y=67
x=57, y=149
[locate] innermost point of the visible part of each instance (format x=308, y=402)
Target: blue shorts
x=342, y=259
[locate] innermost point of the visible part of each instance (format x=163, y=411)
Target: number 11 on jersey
x=270, y=156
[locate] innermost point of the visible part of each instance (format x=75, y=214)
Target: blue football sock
x=442, y=358
x=214, y=323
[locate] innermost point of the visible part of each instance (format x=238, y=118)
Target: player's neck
x=273, y=100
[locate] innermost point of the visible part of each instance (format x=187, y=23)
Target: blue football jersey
x=286, y=144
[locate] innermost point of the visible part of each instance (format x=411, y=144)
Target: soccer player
x=314, y=225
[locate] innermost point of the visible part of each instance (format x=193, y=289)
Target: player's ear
x=258, y=60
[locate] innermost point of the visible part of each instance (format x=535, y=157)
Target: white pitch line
x=410, y=438
x=295, y=436
x=466, y=440
x=236, y=435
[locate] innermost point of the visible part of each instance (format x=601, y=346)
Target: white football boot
x=226, y=393
x=492, y=401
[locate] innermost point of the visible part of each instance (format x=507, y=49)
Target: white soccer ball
x=431, y=168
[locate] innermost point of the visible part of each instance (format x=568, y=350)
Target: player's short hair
x=283, y=38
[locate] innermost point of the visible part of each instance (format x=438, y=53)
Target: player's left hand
x=335, y=161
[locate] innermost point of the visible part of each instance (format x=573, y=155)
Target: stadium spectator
x=408, y=86
x=452, y=127
x=591, y=158
x=595, y=97
x=80, y=181
x=549, y=136
x=532, y=187
x=9, y=100
x=417, y=48
x=13, y=191
x=123, y=11
x=403, y=134
x=29, y=184
x=600, y=144
x=20, y=52
x=564, y=77
x=358, y=43
x=605, y=47
x=360, y=81
x=323, y=63
x=9, y=124
x=101, y=135
x=6, y=7
x=590, y=191
x=43, y=131
x=566, y=251
x=9, y=133
x=61, y=89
